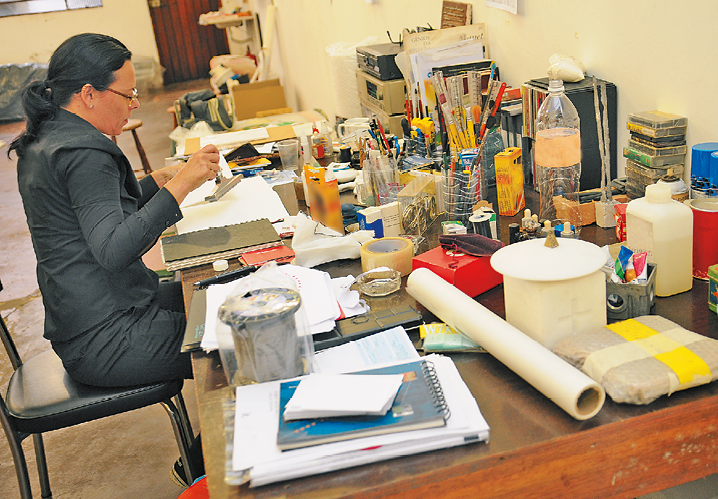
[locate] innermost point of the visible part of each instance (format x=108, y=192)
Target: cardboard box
x=250, y=98
x=510, y=181
x=470, y=274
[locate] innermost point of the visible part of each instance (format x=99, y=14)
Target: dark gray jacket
x=90, y=222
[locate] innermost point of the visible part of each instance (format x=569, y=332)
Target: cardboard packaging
x=470, y=274
x=510, y=181
x=251, y=98
x=371, y=219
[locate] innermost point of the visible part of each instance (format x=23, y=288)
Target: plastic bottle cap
x=220, y=265
x=527, y=213
x=658, y=193
x=555, y=85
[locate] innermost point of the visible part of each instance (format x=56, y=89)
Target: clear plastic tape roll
x=393, y=252
x=573, y=391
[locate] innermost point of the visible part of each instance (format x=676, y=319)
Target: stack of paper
x=251, y=199
x=336, y=395
x=257, y=458
x=324, y=300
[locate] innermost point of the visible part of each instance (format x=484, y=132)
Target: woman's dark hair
x=88, y=58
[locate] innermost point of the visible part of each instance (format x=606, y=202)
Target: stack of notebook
x=433, y=409
x=200, y=247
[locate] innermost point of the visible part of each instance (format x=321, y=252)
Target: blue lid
x=700, y=158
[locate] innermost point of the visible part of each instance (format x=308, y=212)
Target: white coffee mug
x=352, y=125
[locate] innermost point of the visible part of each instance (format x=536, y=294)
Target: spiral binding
x=437, y=392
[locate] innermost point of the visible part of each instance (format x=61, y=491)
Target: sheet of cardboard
x=277, y=133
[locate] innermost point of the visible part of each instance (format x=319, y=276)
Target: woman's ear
x=87, y=95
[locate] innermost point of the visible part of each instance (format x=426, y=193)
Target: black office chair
x=42, y=397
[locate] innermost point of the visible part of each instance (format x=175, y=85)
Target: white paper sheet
x=250, y=199
x=331, y=395
x=226, y=140
x=255, y=446
x=387, y=347
x=314, y=286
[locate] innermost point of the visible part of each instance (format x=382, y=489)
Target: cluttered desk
x=535, y=448
x=577, y=367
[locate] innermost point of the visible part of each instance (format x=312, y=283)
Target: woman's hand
x=201, y=167
x=164, y=175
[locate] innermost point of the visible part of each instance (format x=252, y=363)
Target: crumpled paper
x=314, y=243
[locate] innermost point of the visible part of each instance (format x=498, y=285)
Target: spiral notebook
x=419, y=404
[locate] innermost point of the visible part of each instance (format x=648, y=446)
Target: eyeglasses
x=133, y=97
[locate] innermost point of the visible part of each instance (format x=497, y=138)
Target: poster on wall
x=507, y=5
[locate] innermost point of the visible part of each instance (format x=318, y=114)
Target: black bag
x=204, y=105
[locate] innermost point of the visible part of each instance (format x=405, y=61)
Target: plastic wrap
x=343, y=64
x=13, y=78
x=262, y=331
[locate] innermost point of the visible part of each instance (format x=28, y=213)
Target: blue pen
x=493, y=69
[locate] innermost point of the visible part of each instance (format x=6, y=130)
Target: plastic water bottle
x=558, y=157
x=663, y=227
x=493, y=145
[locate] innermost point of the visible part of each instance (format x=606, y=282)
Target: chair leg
x=182, y=411
x=42, y=466
x=143, y=157
x=18, y=456
x=183, y=433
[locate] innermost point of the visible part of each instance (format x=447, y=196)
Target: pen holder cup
x=459, y=198
x=265, y=342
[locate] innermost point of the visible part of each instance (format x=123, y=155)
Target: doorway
x=185, y=48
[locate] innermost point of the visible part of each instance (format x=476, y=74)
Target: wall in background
x=660, y=55
x=33, y=38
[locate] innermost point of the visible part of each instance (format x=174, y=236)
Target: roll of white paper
x=566, y=386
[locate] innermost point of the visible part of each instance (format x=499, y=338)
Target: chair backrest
x=9, y=344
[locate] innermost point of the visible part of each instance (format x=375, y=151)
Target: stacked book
x=427, y=406
x=656, y=148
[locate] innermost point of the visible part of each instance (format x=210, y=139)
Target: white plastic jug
x=663, y=228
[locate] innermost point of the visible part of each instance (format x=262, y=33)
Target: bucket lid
x=533, y=261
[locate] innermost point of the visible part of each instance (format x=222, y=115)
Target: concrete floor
x=129, y=455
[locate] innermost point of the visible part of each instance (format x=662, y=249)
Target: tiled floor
x=128, y=455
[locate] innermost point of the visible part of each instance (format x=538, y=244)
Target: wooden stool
x=132, y=126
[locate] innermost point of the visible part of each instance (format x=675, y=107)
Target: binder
x=419, y=404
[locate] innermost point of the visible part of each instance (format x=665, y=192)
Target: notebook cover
x=218, y=240
x=418, y=404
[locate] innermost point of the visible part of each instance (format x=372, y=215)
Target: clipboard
x=195, y=322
